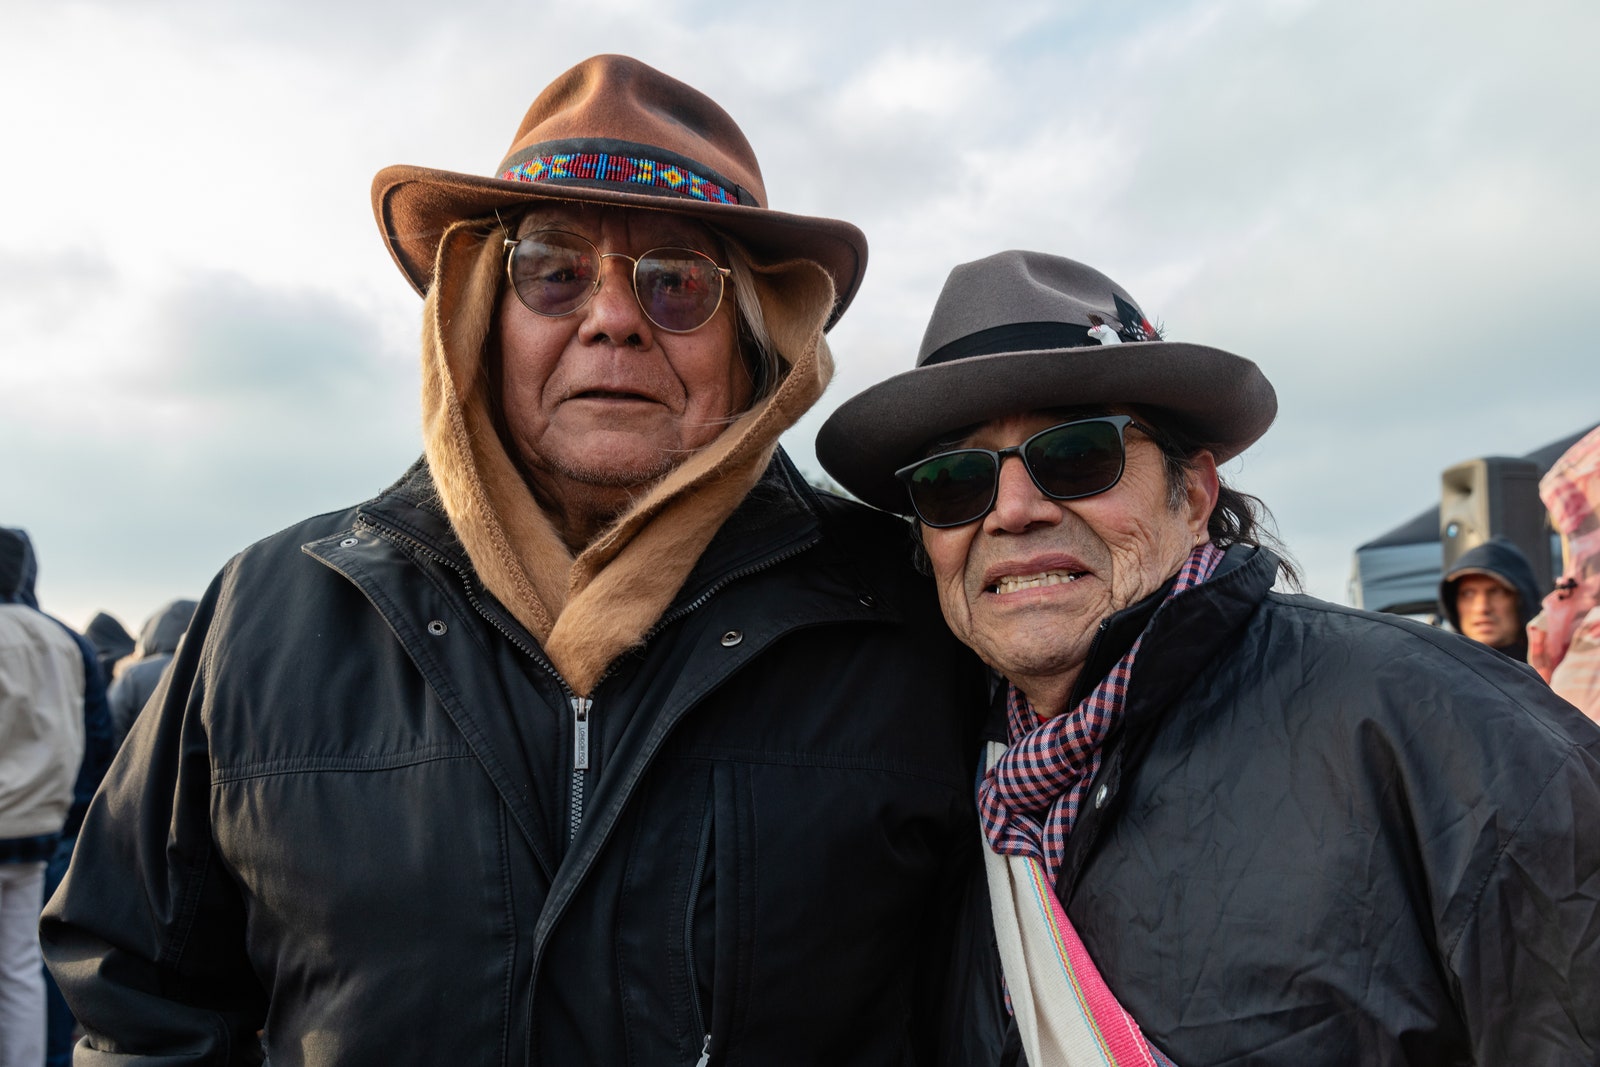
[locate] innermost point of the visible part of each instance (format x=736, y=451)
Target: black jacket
x=1328, y=838
x=351, y=815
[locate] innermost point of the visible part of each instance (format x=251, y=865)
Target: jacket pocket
x=731, y=860
x=684, y=917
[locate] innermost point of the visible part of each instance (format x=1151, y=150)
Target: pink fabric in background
x=1564, y=638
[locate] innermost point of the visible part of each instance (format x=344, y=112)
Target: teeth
x=1034, y=581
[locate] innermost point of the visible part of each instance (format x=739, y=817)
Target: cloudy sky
x=1391, y=207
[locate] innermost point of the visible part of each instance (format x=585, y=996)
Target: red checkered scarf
x=1029, y=800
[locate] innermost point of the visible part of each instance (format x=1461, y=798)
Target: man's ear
x=1200, y=498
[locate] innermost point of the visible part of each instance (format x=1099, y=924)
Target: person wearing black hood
x=1489, y=594
x=111, y=642
x=158, y=643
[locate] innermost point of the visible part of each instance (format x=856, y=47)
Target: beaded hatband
x=602, y=166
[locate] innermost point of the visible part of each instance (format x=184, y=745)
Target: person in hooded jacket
x=1226, y=824
x=99, y=740
x=136, y=678
x=1489, y=594
x=97, y=746
x=112, y=642
x=600, y=737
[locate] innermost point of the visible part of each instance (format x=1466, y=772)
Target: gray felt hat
x=1021, y=331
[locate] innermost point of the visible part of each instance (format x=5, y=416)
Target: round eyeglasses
x=1068, y=461
x=554, y=273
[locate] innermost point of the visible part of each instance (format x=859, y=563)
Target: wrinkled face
x=1488, y=610
x=601, y=397
x=1027, y=585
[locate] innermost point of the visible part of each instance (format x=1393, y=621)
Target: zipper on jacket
x=581, y=706
x=701, y=855
x=477, y=605
x=580, y=741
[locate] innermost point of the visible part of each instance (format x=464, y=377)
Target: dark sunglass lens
x=1079, y=459
x=554, y=272
x=953, y=488
x=679, y=289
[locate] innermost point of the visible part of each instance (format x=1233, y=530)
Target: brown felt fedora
x=1021, y=331
x=614, y=131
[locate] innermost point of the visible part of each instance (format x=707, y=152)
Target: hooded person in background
x=1489, y=594
x=41, y=747
x=99, y=736
x=1259, y=827
x=112, y=642
x=600, y=737
x=45, y=676
x=136, y=678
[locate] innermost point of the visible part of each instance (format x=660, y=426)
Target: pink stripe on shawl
x=1119, y=1037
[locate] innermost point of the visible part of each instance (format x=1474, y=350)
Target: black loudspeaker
x=1495, y=496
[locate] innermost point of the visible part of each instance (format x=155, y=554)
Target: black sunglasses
x=1067, y=462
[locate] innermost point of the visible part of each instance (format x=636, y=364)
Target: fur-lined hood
x=588, y=609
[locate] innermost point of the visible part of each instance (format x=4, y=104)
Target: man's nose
x=613, y=313
x=1018, y=503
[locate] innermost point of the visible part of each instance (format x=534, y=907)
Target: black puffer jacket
x=354, y=799
x=1331, y=838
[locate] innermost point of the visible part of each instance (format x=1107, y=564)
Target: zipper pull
x=580, y=732
x=705, y=1053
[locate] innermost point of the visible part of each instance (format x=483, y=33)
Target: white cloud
x=223, y=410
x=902, y=84
x=1389, y=206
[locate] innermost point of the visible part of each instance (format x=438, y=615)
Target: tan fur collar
x=588, y=610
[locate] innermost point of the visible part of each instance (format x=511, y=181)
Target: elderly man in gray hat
x=1224, y=824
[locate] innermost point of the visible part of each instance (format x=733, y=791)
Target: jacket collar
x=779, y=518
x=1191, y=629
x=1184, y=634
x=411, y=506
x=1116, y=635
x=781, y=513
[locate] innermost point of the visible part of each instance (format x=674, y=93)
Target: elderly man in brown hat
x=1224, y=824
x=598, y=738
